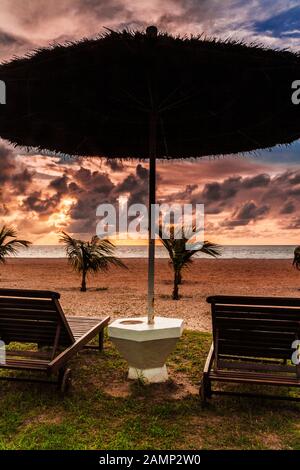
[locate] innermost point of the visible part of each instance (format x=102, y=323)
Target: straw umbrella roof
x=94, y=97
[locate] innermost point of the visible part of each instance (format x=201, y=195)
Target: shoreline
x=142, y=258
x=228, y=252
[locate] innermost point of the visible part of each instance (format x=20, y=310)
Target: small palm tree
x=180, y=255
x=9, y=243
x=296, y=261
x=90, y=256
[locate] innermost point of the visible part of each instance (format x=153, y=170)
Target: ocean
x=228, y=252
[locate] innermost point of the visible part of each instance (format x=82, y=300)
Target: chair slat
x=37, y=317
x=254, y=335
x=32, y=316
x=254, y=300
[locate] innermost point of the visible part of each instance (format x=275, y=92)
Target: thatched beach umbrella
x=149, y=95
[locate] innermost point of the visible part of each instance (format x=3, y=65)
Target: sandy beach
x=120, y=293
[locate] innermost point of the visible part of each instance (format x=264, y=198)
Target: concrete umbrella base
x=146, y=347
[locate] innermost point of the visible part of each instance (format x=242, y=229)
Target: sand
x=121, y=293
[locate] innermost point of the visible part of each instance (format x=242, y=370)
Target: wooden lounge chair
x=252, y=343
x=32, y=316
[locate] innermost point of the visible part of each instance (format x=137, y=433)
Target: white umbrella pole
x=151, y=211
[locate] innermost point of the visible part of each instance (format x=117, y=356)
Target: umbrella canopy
x=94, y=97
x=140, y=95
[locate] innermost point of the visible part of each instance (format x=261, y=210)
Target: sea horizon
x=141, y=251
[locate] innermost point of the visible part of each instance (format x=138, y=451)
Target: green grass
x=104, y=411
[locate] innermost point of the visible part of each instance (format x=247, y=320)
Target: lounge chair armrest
x=209, y=360
x=59, y=361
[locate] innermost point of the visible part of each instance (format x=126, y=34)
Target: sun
x=62, y=217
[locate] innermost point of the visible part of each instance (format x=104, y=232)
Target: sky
x=248, y=199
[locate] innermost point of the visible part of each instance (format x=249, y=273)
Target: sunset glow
x=248, y=199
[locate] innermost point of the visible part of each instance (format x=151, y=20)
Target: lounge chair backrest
x=30, y=316
x=255, y=327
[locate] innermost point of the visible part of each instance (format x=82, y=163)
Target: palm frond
x=90, y=256
x=74, y=251
x=10, y=247
x=7, y=232
x=177, y=243
x=211, y=249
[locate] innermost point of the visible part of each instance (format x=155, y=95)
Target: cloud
x=40, y=204
x=7, y=164
x=94, y=181
x=11, y=44
x=135, y=185
x=11, y=40
x=248, y=212
x=215, y=191
x=247, y=199
x=244, y=190
x=44, y=21
x=288, y=208
x=219, y=195
x=60, y=184
x=294, y=224
x=231, y=203
x=184, y=195
x=88, y=189
x=21, y=181
x=36, y=23
x=258, y=181
x=15, y=178
x=72, y=191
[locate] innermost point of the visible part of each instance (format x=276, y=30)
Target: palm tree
x=90, y=256
x=9, y=243
x=296, y=261
x=180, y=255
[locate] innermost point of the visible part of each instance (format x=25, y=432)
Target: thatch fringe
x=129, y=35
